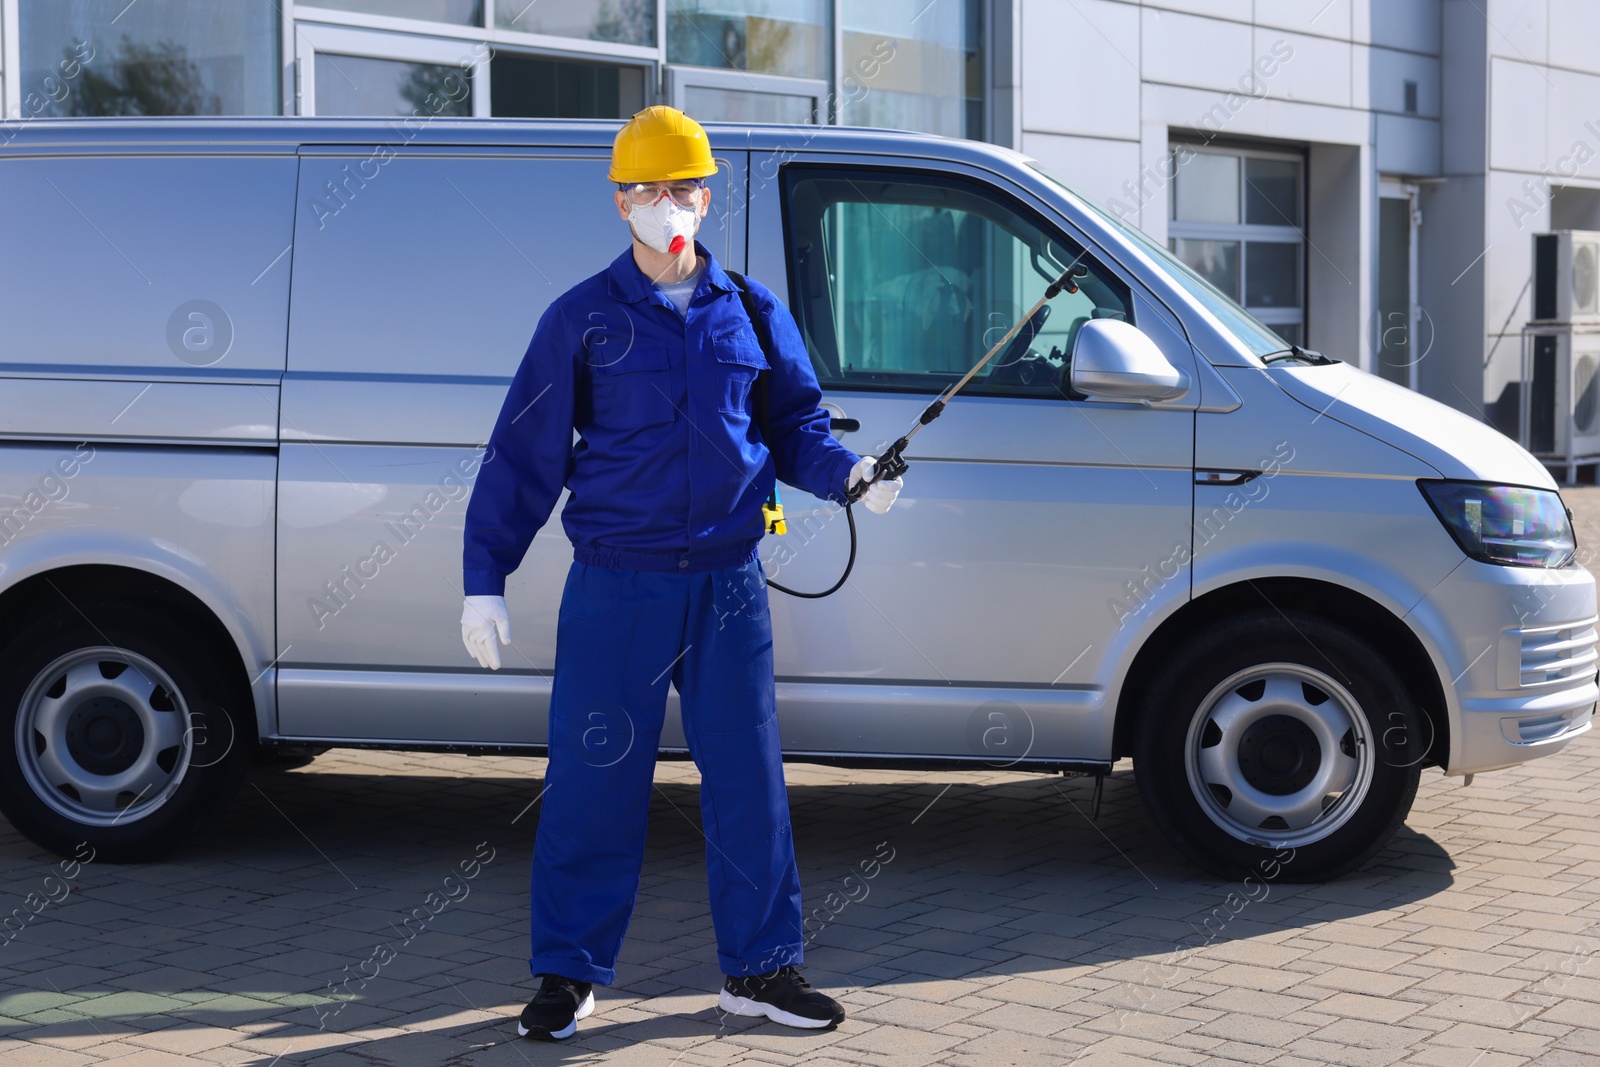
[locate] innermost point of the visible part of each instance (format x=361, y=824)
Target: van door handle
x=844, y=425
x=1219, y=476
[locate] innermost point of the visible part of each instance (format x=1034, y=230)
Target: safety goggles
x=685, y=191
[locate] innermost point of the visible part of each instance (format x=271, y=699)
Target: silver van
x=249, y=367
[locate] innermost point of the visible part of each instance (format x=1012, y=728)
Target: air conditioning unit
x=1566, y=276
x=1564, y=400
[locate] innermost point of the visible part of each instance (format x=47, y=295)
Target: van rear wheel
x=119, y=729
x=1279, y=744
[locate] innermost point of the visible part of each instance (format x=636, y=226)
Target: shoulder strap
x=762, y=412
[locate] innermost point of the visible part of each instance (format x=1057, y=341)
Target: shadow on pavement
x=293, y=910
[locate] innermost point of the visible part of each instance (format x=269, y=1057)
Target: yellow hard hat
x=661, y=144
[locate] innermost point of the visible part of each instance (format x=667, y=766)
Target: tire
x=120, y=728
x=1280, y=745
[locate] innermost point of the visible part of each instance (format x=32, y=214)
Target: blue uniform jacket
x=670, y=470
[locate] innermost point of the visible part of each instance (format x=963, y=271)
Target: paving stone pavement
x=370, y=909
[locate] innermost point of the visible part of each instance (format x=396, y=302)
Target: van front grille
x=1558, y=653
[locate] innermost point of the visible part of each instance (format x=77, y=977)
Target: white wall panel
x=1464, y=83
x=1287, y=119
x=1094, y=168
x=1361, y=76
x=1506, y=270
x=1575, y=34
x=1318, y=71
x=1338, y=253
x=1572, y=120
x=1450, y=282
x=1516, y=115
x=1361, y=19
x=1389, y=72
x=1080, y=67
x=1407, y=146
x=1518, y=29
x=1412, y=25
x=1326, y=18
x=1154, y=148
x=1185, y=50
x=1238, y=10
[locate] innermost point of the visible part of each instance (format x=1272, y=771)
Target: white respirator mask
x=665, y=225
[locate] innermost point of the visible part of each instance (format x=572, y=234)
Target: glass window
x=1271, y=191
x=1250, y=331
x=1236, y=223
x=155, y=57
x=902, y=281
x=1393, y=356
x=622, y=21
x=709, y=104
x=460, y=12
x=534, y=87
x=1215, y=261
x=771, y=36
x=361, y=85
x=911, y=65
x=1206, y=189
x=1273, y=268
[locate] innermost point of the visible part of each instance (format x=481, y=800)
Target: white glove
x=879, y=495
x=482, y=618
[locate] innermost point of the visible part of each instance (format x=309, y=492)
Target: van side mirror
x=1112, y=360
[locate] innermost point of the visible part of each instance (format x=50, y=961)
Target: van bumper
x=1517, y=647
x=1500, y=733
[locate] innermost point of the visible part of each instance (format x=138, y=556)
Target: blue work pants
x=621, y=636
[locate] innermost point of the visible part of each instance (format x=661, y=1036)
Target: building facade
x=1364, y=175
x=903, y=63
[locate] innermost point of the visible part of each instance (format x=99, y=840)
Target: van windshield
x=1254, y=334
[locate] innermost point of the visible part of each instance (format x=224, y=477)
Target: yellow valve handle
x=772, y=517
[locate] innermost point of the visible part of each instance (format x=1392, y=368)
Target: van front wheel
x=1278, y=744
x=119, y=731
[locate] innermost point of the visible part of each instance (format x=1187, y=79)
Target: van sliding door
x=418, y=280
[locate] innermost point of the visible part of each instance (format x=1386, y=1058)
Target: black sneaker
x=554, y=1011
x=784, y=996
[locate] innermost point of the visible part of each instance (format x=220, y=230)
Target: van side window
x=902, y=280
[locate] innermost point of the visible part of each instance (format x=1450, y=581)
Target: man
x=654, y=363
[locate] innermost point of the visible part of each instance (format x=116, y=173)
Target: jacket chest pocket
x=738, y=359
x=634, y=390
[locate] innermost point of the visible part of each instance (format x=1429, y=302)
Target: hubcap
x=103, y=736
x=1279, y=755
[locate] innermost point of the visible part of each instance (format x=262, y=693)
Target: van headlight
x=1505, y=524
